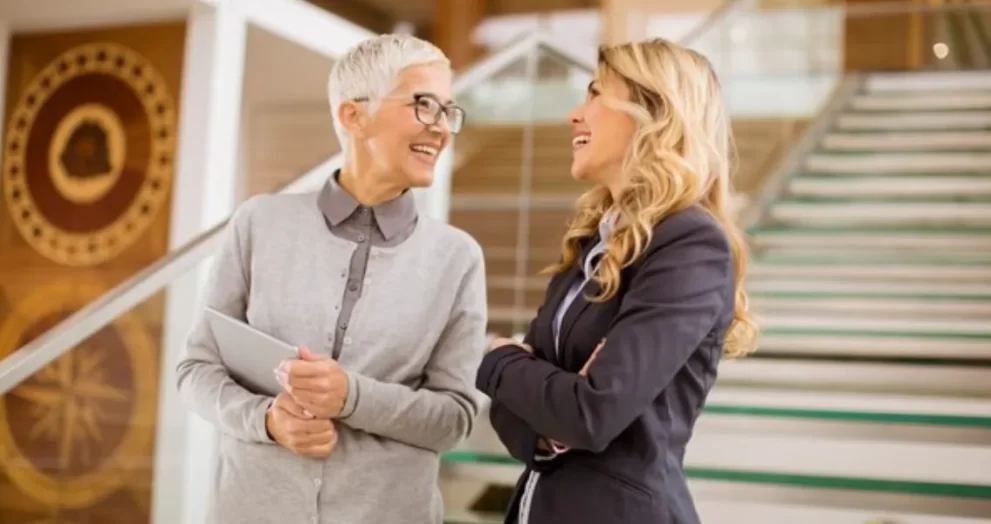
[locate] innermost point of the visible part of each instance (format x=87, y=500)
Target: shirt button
x=317, y=482
x=347, y=340
x=361, y=238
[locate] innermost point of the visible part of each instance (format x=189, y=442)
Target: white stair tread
x=874, y=307
x=898, y=163
x=917, y=120
x=886, y=271
x=908, y=141
x=868, y=324
x=764, y=511
x=841, y=457
x=886, y=288
x=875, y=346
x=894, y=186
x=927, y=81
x=952, y=253
x=819, y=243
x=931, y=100
x=873, y=402
x=891, y=377
x=884, y=213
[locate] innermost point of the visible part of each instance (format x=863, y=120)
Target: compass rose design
x=80, y=429
x=69, y=400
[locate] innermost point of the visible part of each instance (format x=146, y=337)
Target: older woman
x=388, y=308
x=600, y=399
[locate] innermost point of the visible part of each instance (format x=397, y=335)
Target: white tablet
x=250, y=355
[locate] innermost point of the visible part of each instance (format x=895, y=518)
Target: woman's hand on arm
x=673, y=302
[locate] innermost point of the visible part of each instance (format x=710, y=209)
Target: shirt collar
x=606, y=225
x=391, y=217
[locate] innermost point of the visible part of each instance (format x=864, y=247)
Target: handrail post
x=204, y=195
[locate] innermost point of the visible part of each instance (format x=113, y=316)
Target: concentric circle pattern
x=88, y=155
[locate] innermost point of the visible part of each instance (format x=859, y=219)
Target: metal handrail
x=83, y=323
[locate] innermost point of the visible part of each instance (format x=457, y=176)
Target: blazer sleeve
x=514, y=433
x=674, y=300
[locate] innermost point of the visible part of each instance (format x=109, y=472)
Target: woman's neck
x=366, y=186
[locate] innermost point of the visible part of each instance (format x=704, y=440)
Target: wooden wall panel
x=885, y=41
x=284, y=142
x=87, y=169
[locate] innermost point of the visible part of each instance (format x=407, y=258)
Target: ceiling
x=383, y=15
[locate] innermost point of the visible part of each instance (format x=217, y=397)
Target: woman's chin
x=578, y=172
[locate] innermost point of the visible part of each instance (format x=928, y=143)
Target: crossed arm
x=673, y=302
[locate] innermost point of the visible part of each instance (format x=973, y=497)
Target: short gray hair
x=371, y=68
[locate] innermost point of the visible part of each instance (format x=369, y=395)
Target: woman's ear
x=352, y=116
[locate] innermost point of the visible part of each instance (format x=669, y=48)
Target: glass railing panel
x=79, y=436
x=511, y=188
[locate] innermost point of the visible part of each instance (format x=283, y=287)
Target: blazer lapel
x=576, y=310
x=579, y=304
x=555, y=296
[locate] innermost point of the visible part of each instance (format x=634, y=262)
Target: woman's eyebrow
x=435, y=97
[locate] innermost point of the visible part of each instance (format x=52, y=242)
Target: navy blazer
x=629, y=420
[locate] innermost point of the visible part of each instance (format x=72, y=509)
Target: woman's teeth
x=426, y=150
x=580, y=141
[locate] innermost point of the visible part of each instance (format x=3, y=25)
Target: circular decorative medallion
x=70, y=434
x=88, y=154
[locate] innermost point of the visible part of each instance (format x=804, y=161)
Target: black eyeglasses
x=428, y=109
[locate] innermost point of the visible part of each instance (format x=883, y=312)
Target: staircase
x=485, y=201
x=870, y=397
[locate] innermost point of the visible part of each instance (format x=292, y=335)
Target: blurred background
x=863, y=178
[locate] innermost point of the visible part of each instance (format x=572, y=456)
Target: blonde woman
x=601, y=398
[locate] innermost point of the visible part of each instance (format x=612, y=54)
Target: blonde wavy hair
x=679, y=158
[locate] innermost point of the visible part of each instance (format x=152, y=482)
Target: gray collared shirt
x=383, y=225
x=411, y=351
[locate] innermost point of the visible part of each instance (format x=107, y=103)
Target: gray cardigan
x=415, y=340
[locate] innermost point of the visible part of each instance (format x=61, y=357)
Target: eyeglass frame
x=444, y=108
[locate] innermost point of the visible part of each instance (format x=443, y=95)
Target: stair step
x=927, y=81
x=899, y=163
x=855, y=404
x=754, y=455
x=873, y=344
x=914, y=100
x=859, y=213
x=822, y=242
x=917, y=120
x=978, y=329
x=976, y=255
x=869, y=270
x=782, y=286
x=776, y=507
x=471, y=517
x=888, y=377
x=908, y=141
x=850, y=457
x=892, y=186
x=870, y=306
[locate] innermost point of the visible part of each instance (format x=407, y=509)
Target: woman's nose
x=575, y=116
